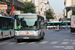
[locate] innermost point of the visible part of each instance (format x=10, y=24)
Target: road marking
x=3, y=43
x=66, y=39
x=73, y=43
x=54, y=42
x=64, y=43
x=13, y=43
x=32, y=43
x=22, y=43
x=44, y=42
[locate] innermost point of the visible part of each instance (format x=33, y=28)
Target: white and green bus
x=29, y=26
x=53, y=25
x=63, y=25
x=6, y=27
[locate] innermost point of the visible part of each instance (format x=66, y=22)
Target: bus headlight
x=17, y=33
x=36, y=33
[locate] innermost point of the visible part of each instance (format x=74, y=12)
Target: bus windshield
x=27, y=23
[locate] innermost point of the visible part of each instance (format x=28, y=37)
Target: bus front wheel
x=43, y=35
x=10, y=34
x=2, y=35
x=18, y=40
x=71, y=30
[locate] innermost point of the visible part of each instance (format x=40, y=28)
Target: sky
x=57, y=5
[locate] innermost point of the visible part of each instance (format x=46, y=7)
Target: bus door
x=41, y=24
x=0, y=29
x=41, y=27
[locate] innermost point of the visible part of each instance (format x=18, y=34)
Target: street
x=54, y=40
x=27, y=19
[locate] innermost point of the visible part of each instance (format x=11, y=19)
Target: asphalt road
x=54, y=40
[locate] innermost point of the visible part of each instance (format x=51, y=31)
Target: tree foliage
x=73, y=11
x=49, y=14
x=29, y=7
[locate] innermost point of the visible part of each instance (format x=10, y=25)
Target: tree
x=73, y=11
x=49, y=14
x=29, y=7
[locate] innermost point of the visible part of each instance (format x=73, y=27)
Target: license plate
x=26, y=38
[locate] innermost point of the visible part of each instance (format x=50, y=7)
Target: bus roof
x=41, y=16
x=66, y=21
x=5, y=17
x=30, y=14
x=27, y=14
x=53, y=22
x=59, y=22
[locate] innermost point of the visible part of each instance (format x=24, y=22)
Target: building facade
x=58, y=16
x=6, y=5
x=73, y=2
x=68, y=10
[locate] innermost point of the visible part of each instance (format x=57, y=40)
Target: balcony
x=14, y=2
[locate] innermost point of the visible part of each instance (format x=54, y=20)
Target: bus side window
x=39, y=25
x=24, y=23
x=36, y=24
x=0, y=25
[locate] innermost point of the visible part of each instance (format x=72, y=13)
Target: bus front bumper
x=27, y=37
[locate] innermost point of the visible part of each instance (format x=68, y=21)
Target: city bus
x=63, y=25
x=6, y=27
x=29, y=26
x=53, y=25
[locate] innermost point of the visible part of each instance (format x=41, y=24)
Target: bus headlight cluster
x=36, y=33
x=16, y=33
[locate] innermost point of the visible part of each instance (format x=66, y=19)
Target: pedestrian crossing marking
x=66, y=39
x=44, y=42
x=32, y=43
x=22, y=43
x=13, y=43
x=54, y=42
x=73, y=43
x=64, y=43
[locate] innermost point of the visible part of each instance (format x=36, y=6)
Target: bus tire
x=71, y=31
x=40, y=37
x=43, y=35
x=10, y=34
x=2, y=35
x=18, y=40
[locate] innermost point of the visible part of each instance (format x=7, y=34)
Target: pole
x=13, y=2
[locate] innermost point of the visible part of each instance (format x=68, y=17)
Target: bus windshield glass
x=27, y=22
